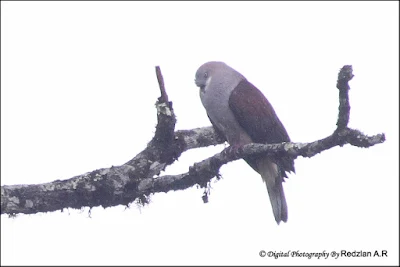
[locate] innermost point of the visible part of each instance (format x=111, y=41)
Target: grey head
x=218, y=73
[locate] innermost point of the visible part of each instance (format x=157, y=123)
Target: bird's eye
x=205, y=74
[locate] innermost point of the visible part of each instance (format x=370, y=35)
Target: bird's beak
x=200, y=85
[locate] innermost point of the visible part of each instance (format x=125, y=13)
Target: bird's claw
x=233, y=151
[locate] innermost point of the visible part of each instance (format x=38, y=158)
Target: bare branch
x=345, y=75
x=118, y=185
x=202, y=172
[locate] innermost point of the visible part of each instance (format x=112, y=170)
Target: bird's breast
x=215, y=99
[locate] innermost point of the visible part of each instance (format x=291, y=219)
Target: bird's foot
x=233, y=151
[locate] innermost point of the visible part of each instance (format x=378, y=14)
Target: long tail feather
x=272, y=177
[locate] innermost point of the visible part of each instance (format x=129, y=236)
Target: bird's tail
x=272, y=178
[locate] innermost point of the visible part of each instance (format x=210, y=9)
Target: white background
x=78, y=89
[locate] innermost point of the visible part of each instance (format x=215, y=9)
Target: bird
x=241, y=114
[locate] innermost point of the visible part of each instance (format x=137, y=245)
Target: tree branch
x=345, y=75
x=135, y=180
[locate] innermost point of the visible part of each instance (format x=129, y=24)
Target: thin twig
x=164, y=97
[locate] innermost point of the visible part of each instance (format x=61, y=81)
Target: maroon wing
x=257, y=117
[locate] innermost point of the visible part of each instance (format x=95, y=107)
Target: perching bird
x=242, y=114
